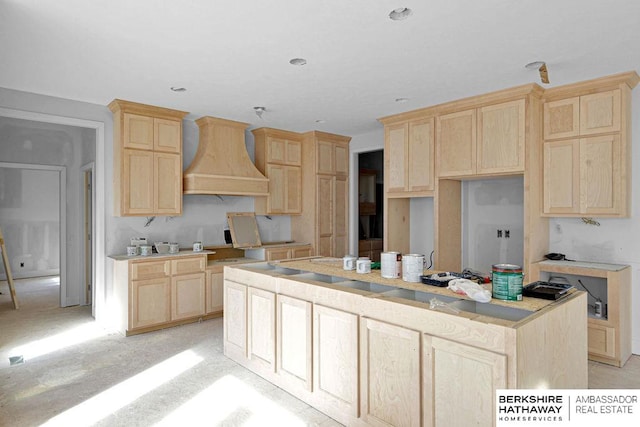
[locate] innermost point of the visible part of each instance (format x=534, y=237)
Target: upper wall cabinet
x=408, y=158
x=482, y=141
x=587, y=142
x=147, y=159
x=279, y=158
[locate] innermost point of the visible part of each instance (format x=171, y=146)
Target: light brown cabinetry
x=378, y=359
x=159, y=292
x=324, y=219
x=483, y=141
x=147, y=159
x=586, y=148
x=280, y=252
x=214, y=295
x=455, y=369
x=389, y=374
x=409, y=158
x=294, y=341
x=335, y=359
x=261, y=327
x=279, y=158
x=609, y=335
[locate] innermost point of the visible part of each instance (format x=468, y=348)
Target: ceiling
x=234, y=55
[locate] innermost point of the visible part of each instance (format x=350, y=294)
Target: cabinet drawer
x=150, y=269
x=188, y=265
x=601, y=340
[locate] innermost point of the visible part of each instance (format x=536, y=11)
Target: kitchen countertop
x=333, y=267
x=159, y=256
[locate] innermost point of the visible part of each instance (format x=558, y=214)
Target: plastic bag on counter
x=472, y=289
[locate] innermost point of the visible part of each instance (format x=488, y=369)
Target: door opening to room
x=370, y=204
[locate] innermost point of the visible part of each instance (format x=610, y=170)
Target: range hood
x=222, y=164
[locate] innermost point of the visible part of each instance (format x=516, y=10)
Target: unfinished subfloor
x=58, y=368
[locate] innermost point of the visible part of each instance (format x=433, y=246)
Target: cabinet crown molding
x=630, y=78
x=122, y=106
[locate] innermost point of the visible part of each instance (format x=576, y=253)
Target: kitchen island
x=367, y=350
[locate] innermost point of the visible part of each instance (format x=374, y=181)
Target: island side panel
x=556, y=358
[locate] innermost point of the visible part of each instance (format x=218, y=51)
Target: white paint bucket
x=391, y=265
x=363, y=266
x=349, y=262
x=412, y=267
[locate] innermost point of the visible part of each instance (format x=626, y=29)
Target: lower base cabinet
x=389, y=374
x=187, y=296
x=459, y=383
x=366, y=360
x=150, y=302
x=335, y=359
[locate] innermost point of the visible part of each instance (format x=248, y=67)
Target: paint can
x=349, y=262
x=363, y=265
x=132, y=250
x=197, y=246
x=506, y=282
x=412, y=267
x=145, y=250
x=391, y=265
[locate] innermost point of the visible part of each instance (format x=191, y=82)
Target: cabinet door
x=341, y=231
x=501, y=131
x=141, y=270
x=600, y=188
x=390, y=374
x=601, y=340
x=456, y=141
x=168, y=184
x=562, y=118
x=284, y=151
x=275, y=254
x=150, y=302
x=294, y=337
x=235, y=320
x=420, y=156
x=285, y=189
x=167, y=136
x=325, y=204
x=301, y=252
x=335, y=358
x=341, y=156
x=561, y=177
x=187, y=296
x=214, y=293
x=138, y=132
x=261, y=327
x=325, y=158
x=395, y=153
x=600, y=113
x=467, y=374
x=137, y=182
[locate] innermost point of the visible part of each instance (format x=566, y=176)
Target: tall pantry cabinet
x=324, y=221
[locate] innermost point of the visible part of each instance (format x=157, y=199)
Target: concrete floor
x=76, y=374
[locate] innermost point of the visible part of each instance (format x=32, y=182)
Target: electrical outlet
x=507, y=234
x=22, y=265
x=499, y=234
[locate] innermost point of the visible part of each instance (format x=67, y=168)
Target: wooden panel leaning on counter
x=367, y=350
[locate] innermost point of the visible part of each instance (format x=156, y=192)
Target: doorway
x=370, y=204
x=74, y=293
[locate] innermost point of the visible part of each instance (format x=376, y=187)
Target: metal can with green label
x=506, y=282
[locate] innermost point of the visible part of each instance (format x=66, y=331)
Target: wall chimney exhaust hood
x=222, y=165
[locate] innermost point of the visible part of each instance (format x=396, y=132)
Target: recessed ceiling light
x=178, y=89
x=402, y=99
x=298, y=61
x=259, y=111
x=321, y=121
x=400, y=13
